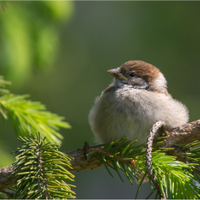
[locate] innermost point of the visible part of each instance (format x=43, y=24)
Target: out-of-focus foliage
x=3, y=84
x=29, y=36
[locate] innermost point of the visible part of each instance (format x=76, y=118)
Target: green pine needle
x=173, y=175
x=39, y=170
x=31, y=117
x=121, y=152
x=175, y=178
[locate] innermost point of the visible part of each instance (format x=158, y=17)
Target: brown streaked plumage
x=145, y=70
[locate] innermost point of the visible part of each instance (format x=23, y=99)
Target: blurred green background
x=59, y=52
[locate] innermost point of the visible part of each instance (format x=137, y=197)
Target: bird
x=135, y=100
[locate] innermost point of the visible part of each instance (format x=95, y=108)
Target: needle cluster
x=177, y=179
x=40, y=170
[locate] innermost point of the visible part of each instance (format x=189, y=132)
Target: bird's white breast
x=129, y=112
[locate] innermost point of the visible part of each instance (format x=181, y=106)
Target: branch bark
x=181, y=135
x=6, y=181
x=184, y=134
x=80, y=162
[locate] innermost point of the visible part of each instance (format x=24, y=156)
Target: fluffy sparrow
x=133, y=102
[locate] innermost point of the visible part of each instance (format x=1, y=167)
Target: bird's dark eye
x=133, y=74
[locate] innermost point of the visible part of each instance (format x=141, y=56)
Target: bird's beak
x=117, y=74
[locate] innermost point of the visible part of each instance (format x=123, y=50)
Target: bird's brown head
x=140, y=75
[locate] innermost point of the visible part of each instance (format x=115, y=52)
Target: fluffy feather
x=127, y=109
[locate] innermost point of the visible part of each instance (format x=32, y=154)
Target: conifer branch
x=39, y=170
x=31, y=117
x=117, y=157
x=28, y=116
x=181, y=135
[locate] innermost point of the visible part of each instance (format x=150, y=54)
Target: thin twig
x=149, y=146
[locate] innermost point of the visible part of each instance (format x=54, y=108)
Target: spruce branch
x=172, y=175
x=119, y=155
x=186, y=164
x=39, y=170
x=30, y=117
x=167, y=169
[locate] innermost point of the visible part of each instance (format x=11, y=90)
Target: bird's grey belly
x=115, y=125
